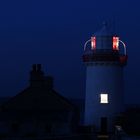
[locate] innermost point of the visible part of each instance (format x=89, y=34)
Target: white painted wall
x=108, y=79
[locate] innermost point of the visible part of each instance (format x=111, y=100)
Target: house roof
x=38, y=98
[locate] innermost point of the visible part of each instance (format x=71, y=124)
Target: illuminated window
x=115, y=43
x=103, y=98
x=93, y=43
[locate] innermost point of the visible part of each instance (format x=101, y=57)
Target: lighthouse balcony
x=101, y=55
x=104, y=55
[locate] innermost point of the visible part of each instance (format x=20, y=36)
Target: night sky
x=53, y=32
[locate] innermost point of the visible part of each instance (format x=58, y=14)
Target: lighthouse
x=105, y=57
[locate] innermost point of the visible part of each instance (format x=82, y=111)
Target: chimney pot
x=38, y=67
x=34, y=67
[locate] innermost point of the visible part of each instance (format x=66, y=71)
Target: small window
x=103, y=98
x=115, y=43
x=93, y=43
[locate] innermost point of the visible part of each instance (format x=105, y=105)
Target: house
x=38, y=110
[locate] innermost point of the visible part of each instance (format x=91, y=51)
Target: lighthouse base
x=103, y=125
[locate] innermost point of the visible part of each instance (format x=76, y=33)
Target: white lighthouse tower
x=104, y=60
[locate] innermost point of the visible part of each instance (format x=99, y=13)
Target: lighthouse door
x=103, y=125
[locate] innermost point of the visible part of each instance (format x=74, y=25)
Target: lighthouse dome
x=104, y=31
x=104, y=38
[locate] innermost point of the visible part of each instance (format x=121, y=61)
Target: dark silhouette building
x=38, y=110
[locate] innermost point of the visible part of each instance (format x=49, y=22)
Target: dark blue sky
x=53, y=32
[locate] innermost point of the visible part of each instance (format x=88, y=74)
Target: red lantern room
x=105, y=46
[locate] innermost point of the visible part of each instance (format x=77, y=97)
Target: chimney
x=34, y=67
x=36, y=76
x=38, y=67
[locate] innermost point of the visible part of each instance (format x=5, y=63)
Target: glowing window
x=93, y=43
x=115, y=43
x=103, y=98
